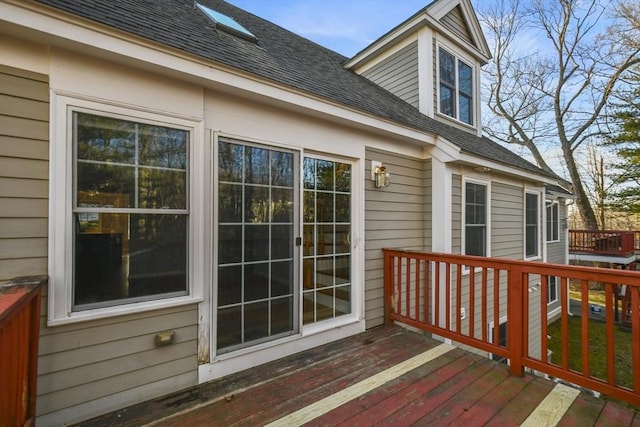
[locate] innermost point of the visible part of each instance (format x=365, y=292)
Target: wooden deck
x=384, y=376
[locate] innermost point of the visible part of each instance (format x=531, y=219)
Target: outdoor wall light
x=381, y=176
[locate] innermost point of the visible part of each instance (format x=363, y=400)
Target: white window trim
x=475, y=105
x=539, y=224
x=463, y=222
x=60, y=209
x=557, y=224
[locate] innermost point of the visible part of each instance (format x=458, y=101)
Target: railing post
x=388, y=286
x=515, y=320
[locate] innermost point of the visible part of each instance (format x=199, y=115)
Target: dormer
x=432, y=61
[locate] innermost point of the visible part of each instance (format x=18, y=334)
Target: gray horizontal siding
x=110, y=359
x=454, y=21
x=507, y=210
x=395, y=217
x=456, y=214
x=398, y=74
x=24, y=170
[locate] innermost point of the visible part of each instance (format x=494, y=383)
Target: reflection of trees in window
x=129, y=166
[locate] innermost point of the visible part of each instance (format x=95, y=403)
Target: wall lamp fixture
x=379, y=174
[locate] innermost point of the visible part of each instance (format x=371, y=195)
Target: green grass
x=597, y=349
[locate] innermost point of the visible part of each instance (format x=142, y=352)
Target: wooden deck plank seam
x=335, y=400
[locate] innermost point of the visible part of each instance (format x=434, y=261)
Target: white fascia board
x=444, y=151
x=500, y=167
x=70, y=31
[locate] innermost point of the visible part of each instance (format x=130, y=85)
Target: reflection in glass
x=256, y=281
x=281, y=169
x=120, y=256
x=126, y=165
x=324, y=175
x=257, y=165
x=326, y=240
x=229, y=285
x=256, y=194
x=230, y=162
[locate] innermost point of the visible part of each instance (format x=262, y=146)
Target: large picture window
x=475, y=219
x=532, y=246
x=130, y=211
x=553, y=222
x=456, y=87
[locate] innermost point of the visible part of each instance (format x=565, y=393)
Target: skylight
x=227, y=23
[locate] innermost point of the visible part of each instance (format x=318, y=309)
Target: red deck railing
x=466, y=299
x=19, y=327
x=608, y=242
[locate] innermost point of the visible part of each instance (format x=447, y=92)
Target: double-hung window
x=120, y=211
x=475, y=219
x=129, y=210
x=553, y=223
x=456, y=87
x=532, y=245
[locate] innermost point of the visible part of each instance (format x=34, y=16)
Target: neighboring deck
x=612, y=246
x=384, y=376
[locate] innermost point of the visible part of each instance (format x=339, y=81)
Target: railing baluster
x=525, y=314
x=459, y=298
x=564, y=325
x=611, y=355
x=407, y=293
x=544, y=288
x=496, y=306
x=427, y=291
x=484, y=304
x=436, y=296
x=635, y=336
x=448, y=297
x=417, y=298
x=472, y=300
x=584, y=288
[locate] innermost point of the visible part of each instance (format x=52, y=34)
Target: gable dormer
x=432, y=61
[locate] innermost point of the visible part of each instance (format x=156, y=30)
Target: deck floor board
x=455, y=388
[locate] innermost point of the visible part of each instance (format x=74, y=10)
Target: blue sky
x=345, y=26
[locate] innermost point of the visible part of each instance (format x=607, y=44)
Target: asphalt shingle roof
x=279, y=55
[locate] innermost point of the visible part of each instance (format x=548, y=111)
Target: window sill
x=122, y=310
x=457, y=121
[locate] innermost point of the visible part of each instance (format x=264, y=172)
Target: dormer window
x=456, y=87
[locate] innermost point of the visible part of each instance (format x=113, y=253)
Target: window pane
x=282, y=315
x=343, y=177
x=230, y=203
x=119, y=256
x=465, y=78
x=324, y=207
x=229, y=285
x=106, y=186
x=256, y=320
x=229, y=238
x=256, y=165
x=256, y=204
x=256, y=243
x=229, y=326
x=309, y=172
x=281, y=241
x=105, y=139
x=282, y=204
x=281, y=278
x=162, y=189
x=256, y=281
x=465, y=109
x=163, y=147
x=230, y=162
x=475, y=240
x=281, y=169
x=343, y=208
x=447, y=67
x=325, y=175
x=447, y=101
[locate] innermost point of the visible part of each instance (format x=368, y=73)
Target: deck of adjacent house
x=384, y=376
